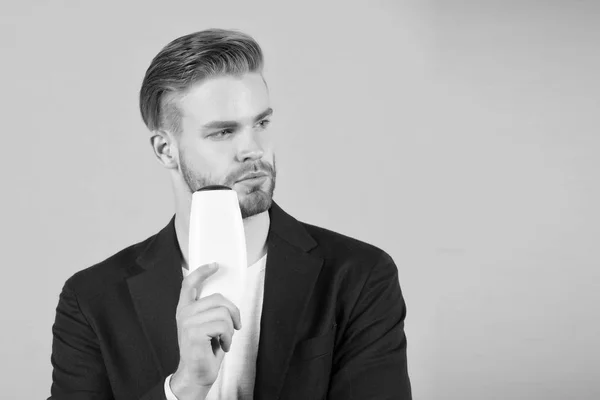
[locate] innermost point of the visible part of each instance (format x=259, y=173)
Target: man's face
x=225, y=136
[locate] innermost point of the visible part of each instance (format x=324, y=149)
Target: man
x=323, y=315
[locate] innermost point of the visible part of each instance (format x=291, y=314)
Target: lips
x=252, y=175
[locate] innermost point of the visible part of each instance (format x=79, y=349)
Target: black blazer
x=332, y=322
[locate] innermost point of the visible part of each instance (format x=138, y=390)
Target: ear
x=165, y=149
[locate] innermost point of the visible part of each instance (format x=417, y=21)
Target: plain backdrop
x=462, y=137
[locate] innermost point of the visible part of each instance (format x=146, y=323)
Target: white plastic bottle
x=217, y=235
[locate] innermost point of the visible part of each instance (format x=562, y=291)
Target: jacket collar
x=289, y=278
x=163, y=250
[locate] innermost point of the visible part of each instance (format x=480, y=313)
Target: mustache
x=258, y=167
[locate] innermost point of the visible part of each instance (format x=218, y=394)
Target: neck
x=256, y=229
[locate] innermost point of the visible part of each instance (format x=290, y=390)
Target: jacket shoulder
x=114, y=269
x=335, y=245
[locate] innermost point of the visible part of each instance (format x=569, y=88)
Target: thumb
x=189, y=287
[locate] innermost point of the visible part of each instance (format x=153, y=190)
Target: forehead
x=225, y=98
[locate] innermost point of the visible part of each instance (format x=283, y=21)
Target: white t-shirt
x=238, y=369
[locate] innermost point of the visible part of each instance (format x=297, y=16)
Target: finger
x=208, y=316
x=215, y=300
x=209, y=331
x=191, y=282
x=226, y=341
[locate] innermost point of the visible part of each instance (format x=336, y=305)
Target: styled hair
x=188, y=60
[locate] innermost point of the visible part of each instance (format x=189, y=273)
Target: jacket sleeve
x=78, y=368
x=370, y=358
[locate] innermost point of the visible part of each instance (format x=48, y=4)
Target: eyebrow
x=235, y=124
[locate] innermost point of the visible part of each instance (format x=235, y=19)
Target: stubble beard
x=253, y=199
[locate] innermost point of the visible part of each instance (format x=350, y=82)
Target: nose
x=250, y=148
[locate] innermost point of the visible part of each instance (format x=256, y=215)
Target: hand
x=205, y=329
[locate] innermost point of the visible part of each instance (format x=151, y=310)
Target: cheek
x=267, y=143
x=268, y=139
x=269, y=155
x=207, y=159
x=192, y=157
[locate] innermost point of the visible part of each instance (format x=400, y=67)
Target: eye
x=222, y=133
x=264, y=123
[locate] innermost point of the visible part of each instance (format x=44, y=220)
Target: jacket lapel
x=290, y=276
x=155, y=294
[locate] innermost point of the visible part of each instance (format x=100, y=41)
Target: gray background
x=460, y=136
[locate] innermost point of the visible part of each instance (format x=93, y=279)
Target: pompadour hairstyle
x=188, y=60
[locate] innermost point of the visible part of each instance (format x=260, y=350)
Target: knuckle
x=220, y=298
x=223, y=327
x=212, y=298
x=223, y=312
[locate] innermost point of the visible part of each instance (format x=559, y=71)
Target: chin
x=254, y=203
